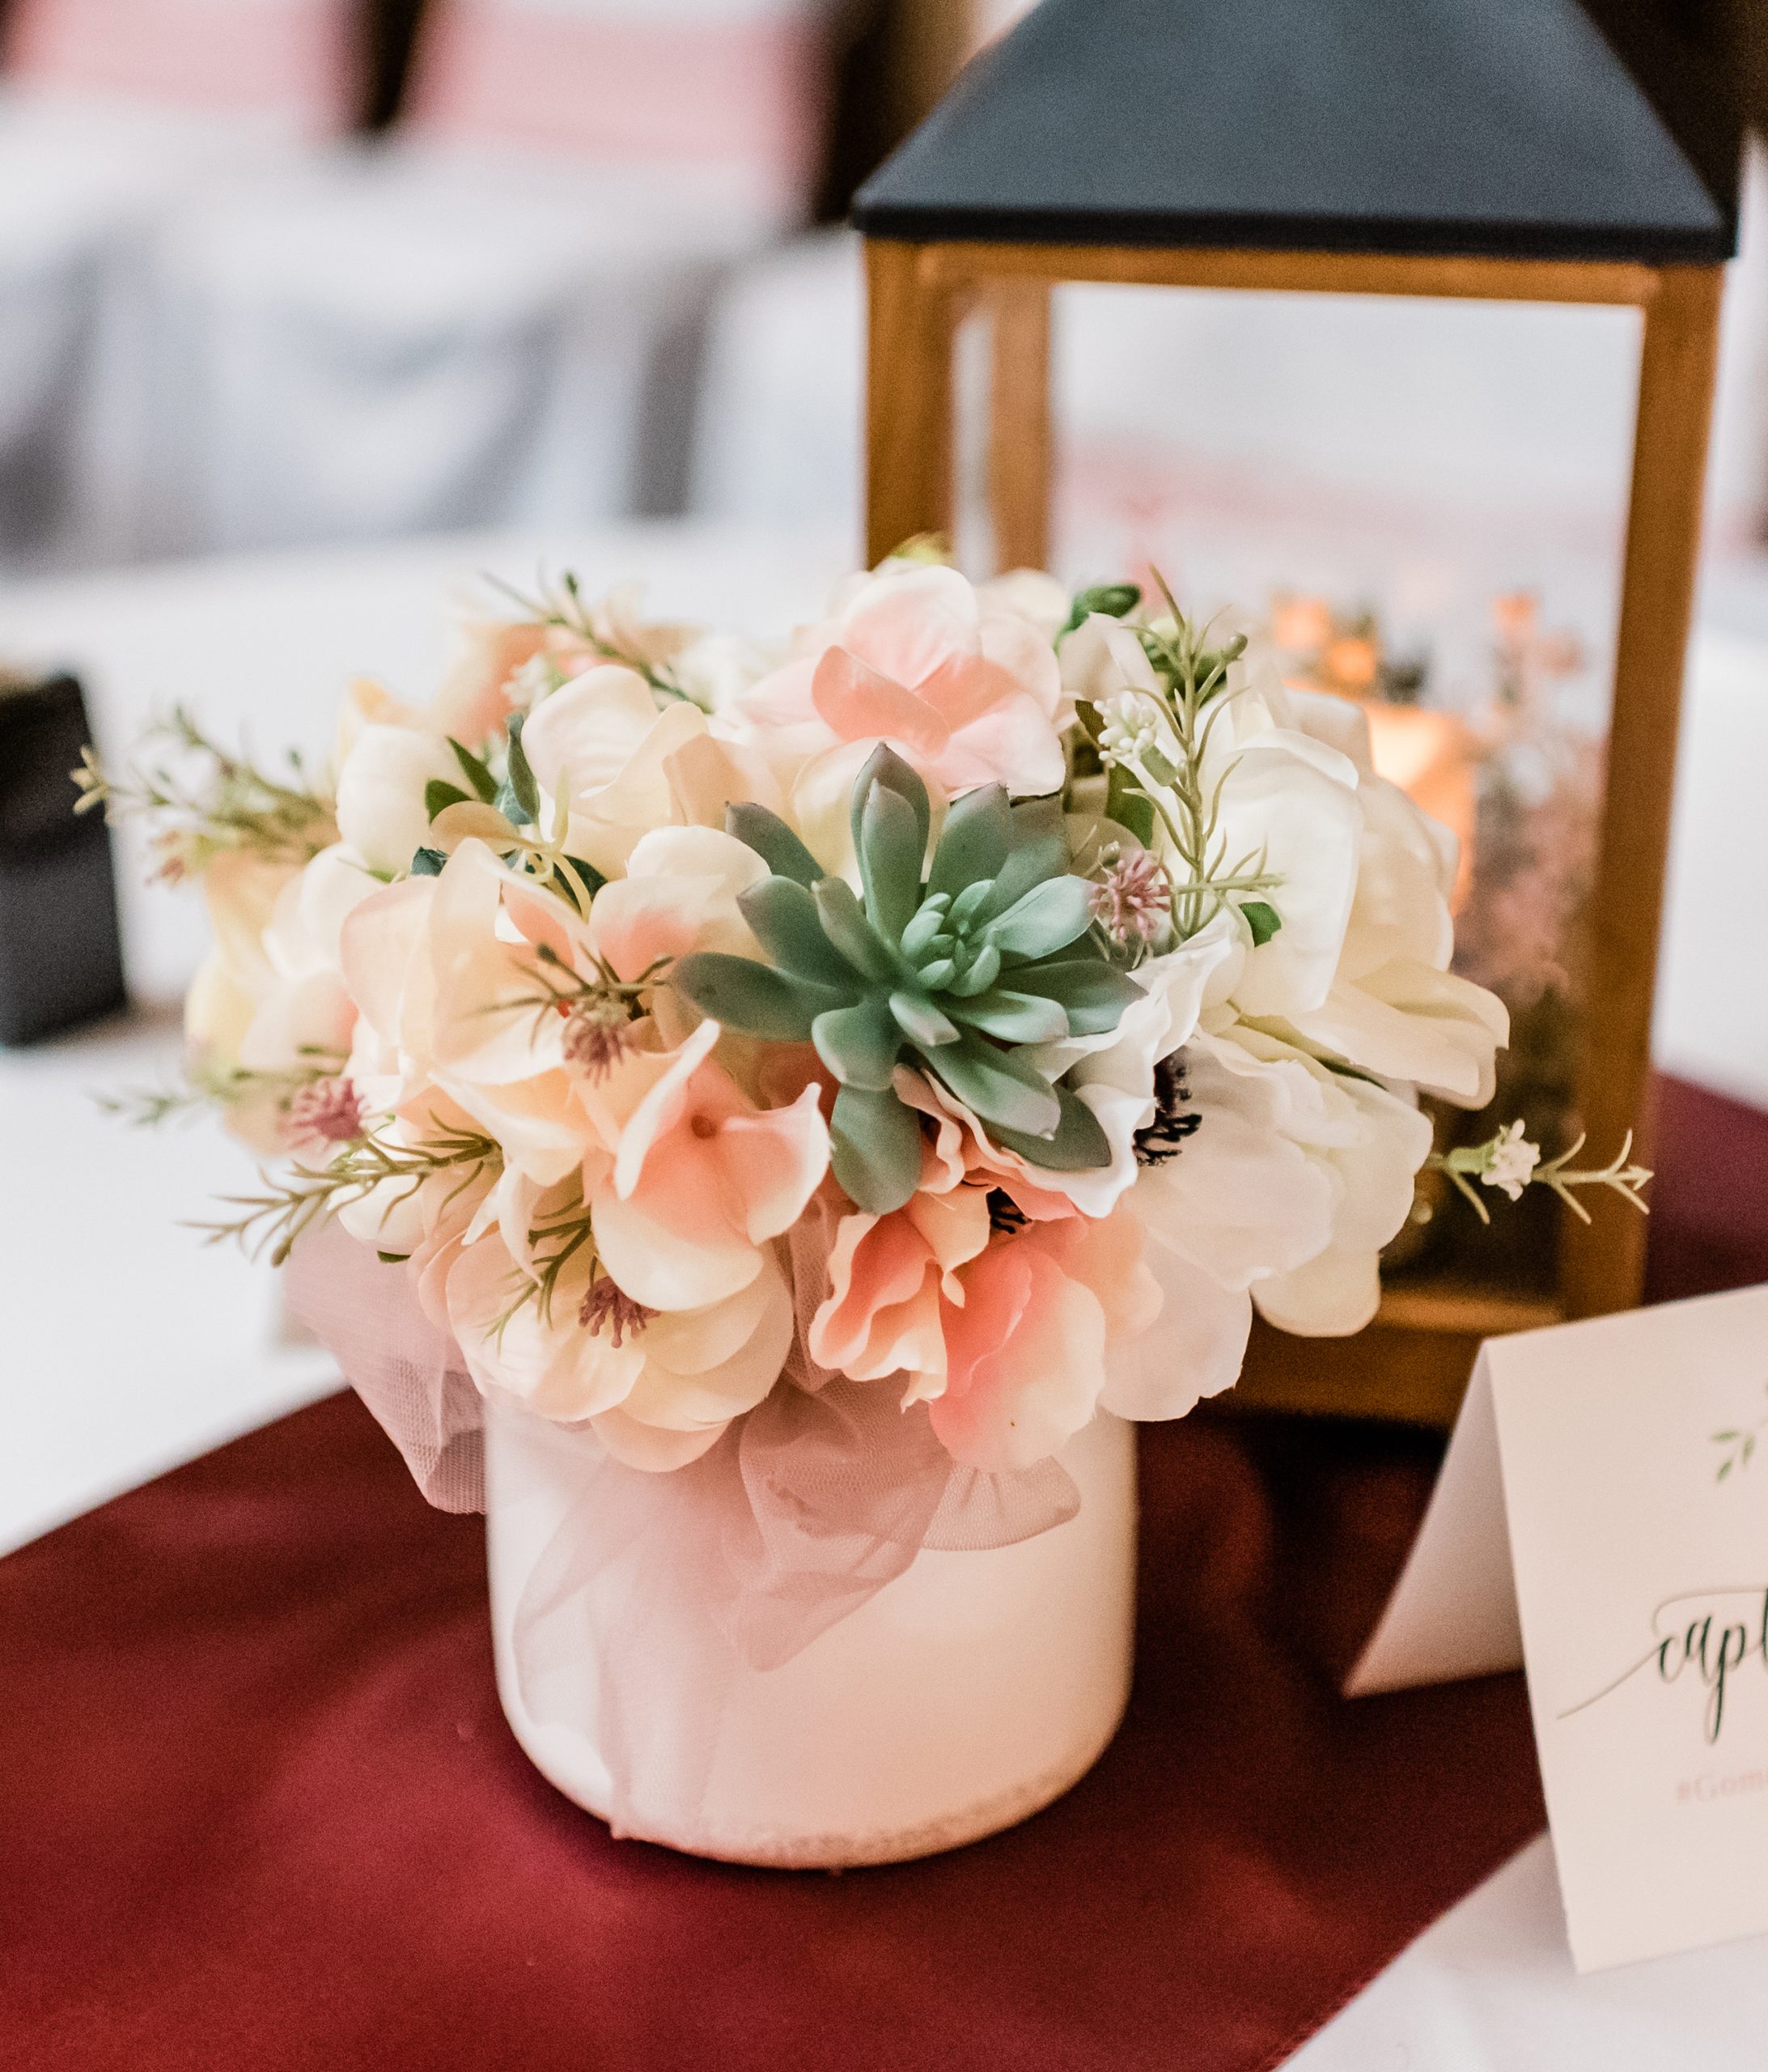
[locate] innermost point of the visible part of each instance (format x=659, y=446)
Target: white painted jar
x=961, y=1698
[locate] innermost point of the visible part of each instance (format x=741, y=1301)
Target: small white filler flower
x=1510, y=1161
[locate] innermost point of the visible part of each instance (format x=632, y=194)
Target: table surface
x=176, y=1347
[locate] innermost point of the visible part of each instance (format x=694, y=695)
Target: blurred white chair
x=491, y=315
x=111, y=112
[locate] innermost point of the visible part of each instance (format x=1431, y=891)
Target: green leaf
x=773, y=841
x=1212, y=664
x=1047, y=918
x=885, y=767
x=984, y=968
x=484, y=785
x=1078, y=1144
x=891, y=844
x=1128, y=804
x=875, y=1146
x=392, y=1259
x=1263, y=920
x=1031, y=863
x=1014, y=1017
x=1038, y=819
x=973, y=842
x=522, y=783
x=438, y=795
x=970, y=902
x=928, y=933
x=427, y=863
x=1093, y=992
x=919, y=1020
x=846, y=927
x=785, y=921
x=752, y=998
x=1002, y=1087
x=859, y=1044
x=1115, y=600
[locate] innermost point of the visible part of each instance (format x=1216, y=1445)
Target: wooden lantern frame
x=1415, y=1361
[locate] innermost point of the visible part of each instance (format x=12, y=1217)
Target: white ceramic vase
x=964, y=1697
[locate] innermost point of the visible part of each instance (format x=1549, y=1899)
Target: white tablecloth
x=129, y=1347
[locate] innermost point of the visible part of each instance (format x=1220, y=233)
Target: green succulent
x=962, y=974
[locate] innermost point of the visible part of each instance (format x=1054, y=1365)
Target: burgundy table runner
x=259, y=1808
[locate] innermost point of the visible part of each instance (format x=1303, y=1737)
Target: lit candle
x=1432, y=756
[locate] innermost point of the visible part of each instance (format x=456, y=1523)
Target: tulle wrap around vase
x=824, y=1643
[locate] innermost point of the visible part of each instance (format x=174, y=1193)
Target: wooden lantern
x=1512, y=150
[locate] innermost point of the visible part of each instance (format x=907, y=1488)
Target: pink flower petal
x=856, y=703
x=907, y=620
x=662, y=1107
x=965, y=686
x=1027, y=1360
x=773, y=1161
x=1011, y=744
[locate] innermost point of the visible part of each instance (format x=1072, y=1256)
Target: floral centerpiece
x=816, y=1086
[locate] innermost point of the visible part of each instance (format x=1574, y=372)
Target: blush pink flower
x=1025, y=1348
x=1132, y=901
x=480, y=691
x=702, y=1179
x=968, y=690
x=330, y=1111
x=657, y=1386
x=890, y=1275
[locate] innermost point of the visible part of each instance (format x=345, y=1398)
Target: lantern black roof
x=1505, y=129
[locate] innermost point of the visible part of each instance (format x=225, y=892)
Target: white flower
x=1293, y=1179
x=1130, y=729
x=1511, y=1161
x=603, y=736
x=1393, y=1008
x=381, y=813
x=719, y=668
x=1113, y=1074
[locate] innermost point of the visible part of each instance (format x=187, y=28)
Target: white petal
x=1289, y=806
x=1194, y=1349
x=1408, y=1021
x=1333, y=1296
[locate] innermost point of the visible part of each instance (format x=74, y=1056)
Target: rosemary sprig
x=227, y=803
x=1164, y=754
x=554, y=1243
x=563, y=604
x=1510, y=1162
x=311, y=1195
x=206, y=1086
x=1618, y=1175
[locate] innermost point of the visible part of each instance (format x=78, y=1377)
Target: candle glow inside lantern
x=1519, y=151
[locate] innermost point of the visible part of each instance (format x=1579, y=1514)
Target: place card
x=1602, y=1519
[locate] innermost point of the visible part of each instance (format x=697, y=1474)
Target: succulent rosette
x=988, y=995
x=957, y=959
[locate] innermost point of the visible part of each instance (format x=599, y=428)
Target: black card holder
x=61, y=947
